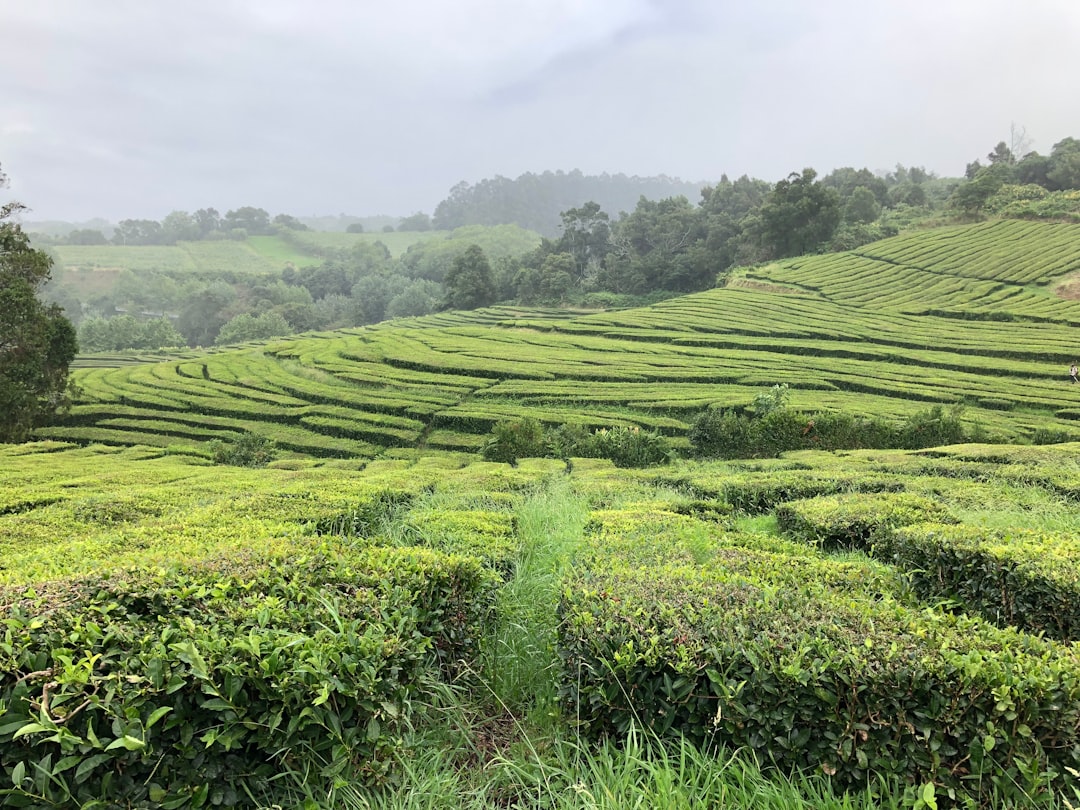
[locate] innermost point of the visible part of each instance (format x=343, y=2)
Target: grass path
x=502, y=742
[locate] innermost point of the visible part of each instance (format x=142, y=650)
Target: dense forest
x=554, y=239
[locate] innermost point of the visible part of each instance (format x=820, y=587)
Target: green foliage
x=774, y=429
x=201, y=685
x=514, y=439
x=126, y=332
x=469, y=282
x=935, y=426
x=818, y=677
x=627, y=447
x=772, y=400
x=248, y=450
x=244, y=327
x=37, y=343
x=1020, y=577
x=855, y=521
x=723, y=433
x=799, y=216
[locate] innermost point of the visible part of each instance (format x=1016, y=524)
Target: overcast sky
x=134, y=108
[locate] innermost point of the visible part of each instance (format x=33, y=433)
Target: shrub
x=933, y=427
x=250, y=450
x=1025, y=578
x=514, y=439
x=629, y=446
x=854, y=520
x=198, y=685
x=721, y=434
x=772, y=400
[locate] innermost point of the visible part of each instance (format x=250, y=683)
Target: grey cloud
x=134, y=109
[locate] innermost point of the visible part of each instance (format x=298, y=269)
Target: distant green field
x=194, y=257
x=396, y=242
x=865, y=336
x=276, y=250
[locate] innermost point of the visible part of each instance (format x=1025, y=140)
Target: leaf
x=18, y=774
x=65, y=764
x=128, y=742
x=157, y=715
x=88, y=765
x=29, y=728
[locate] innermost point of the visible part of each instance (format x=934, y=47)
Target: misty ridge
x=557, y=239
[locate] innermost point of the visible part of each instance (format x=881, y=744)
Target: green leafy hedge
x=1019, y=577
x=202, y=685
x=851, y=521
x=817, y=678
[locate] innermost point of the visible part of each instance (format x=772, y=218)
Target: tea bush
x=1020, y=577
x=200, y=684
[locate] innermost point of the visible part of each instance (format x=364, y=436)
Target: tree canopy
x=37, y=343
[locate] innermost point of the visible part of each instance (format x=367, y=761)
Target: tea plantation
x=380, y=609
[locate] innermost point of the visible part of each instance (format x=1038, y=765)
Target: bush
x=933, y=427
x=721, y=434
x=629, y=447
x=1024, y=578
x=250, y=450
x=200, y=685
x=853, y=521
x=514, y=439
x=775, y=429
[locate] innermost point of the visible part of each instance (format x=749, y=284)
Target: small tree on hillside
x=469, y=281
x=37, y=343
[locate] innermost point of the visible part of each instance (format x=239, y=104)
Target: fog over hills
x=133, y=110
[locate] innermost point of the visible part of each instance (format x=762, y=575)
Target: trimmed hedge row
x=853, y=521
x=1025, y=578
x=201, y=685
x=815, y=676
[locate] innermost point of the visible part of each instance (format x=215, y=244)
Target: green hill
x=379, y=617
x=964, y=314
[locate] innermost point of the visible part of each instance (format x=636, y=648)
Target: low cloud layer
x=129, y=109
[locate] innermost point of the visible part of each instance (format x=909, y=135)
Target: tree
x=417, y=222
x=244, y=327
x=208, y=220
x=1064, y=171
x=289, y=222
x=86, y=236
x=256, y=221
x=179, y=226
x=862, y=206
x=470, y=282
x=586, y=237
x=37, y=343
x=799, y=216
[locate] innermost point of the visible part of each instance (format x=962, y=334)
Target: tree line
x=662, y=246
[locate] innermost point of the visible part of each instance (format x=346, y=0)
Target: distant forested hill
x=534, y=201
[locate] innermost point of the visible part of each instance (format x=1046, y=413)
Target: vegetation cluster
x=324, y=633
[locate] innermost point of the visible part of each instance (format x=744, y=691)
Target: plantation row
x=1012, y=251
x=444, y=381
x=172, y=629
x=971, y=271
x=260, y=256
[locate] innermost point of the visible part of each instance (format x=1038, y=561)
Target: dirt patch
x=764, y=286
x=1069, y=288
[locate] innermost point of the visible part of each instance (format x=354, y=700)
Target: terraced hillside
x=961, y=314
